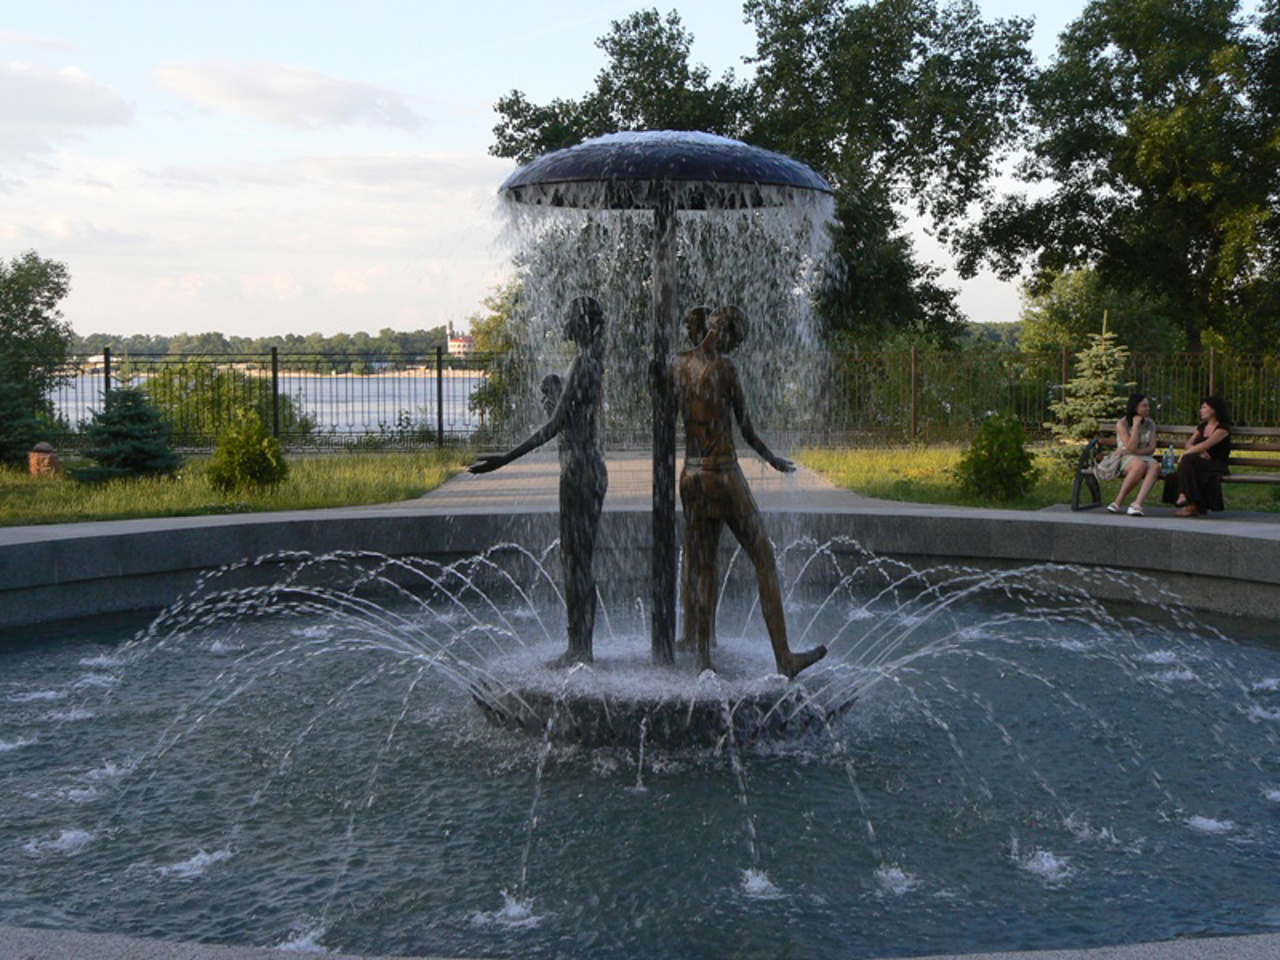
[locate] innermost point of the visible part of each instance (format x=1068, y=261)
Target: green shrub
x=19, y=429
x=128, y=438
x=246, y=457
x=997, y=466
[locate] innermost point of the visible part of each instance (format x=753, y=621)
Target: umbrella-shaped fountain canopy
x=664, y=171
x=632, y=171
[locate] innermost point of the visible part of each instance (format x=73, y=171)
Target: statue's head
x=695, y=324
x=733, y=325
x=583, y=320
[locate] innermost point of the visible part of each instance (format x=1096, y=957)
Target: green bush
x=128, y=438
x=19, y=429
x=997, y=466
x=246, y=457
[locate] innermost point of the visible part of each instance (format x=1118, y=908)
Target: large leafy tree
x=34, y=338
x=899, y=103
x=1066, y=312
x=648, y=84
x=1155, y=151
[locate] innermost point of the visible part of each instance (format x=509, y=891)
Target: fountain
x=295, y=763
x=664, y=172
x=288, y=755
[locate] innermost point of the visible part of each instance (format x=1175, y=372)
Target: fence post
x=275, y=392
x=1213, y=357
x=106, y=374
x=914, y=383
x=439, y=397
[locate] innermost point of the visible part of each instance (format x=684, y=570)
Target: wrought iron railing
x=925, y=396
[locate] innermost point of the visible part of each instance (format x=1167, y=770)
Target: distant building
x=460, y=344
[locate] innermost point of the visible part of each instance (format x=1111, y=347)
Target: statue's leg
x=748, y=527
x=579, y=522
x=705, y=538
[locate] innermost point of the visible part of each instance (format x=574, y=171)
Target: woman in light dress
x=1136, y=442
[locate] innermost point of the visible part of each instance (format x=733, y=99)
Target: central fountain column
x=664, y=430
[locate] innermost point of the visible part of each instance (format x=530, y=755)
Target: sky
x=284, y=167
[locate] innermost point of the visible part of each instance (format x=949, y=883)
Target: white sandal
x=1113, y=508
x=1135, y=512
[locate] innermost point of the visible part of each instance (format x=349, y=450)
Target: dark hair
x=1219, y=410
x=1131, y=408
x=736, y=326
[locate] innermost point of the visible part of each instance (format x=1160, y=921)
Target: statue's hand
x=783, y=465
x=486, y=465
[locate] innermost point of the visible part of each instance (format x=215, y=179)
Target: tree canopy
x=898, y=103
x=1154, y=151
x=34, y=338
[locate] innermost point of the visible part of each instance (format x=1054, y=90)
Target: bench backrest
x=1251, y=440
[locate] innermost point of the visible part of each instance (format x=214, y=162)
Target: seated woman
x=1195, y=487
x=1136, y=443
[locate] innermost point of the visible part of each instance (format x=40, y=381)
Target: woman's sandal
x=1113, y=508
x=1135, y=511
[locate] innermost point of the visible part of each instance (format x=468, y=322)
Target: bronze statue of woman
x=713, y=491
x=584, y=478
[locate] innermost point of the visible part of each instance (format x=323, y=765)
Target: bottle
x=1169, y=462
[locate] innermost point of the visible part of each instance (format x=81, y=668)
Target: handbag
x=1108, y=467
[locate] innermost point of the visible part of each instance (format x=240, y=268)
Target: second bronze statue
x=713, y=491
x=574, y=416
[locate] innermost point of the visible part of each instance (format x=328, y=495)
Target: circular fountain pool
x=302, y=764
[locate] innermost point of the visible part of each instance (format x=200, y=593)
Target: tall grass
x=334, y=480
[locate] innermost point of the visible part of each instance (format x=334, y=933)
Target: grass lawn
x=331, y=480
x=923, y=475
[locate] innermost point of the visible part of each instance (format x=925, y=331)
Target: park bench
x=1244, y=463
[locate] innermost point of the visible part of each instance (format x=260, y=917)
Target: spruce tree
x=1094, y=395
x=129, y=438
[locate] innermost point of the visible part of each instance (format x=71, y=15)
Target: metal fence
x=923, y=396
x=306, y=400
x=934, y=396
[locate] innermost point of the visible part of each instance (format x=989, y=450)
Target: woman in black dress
x=1196, y=486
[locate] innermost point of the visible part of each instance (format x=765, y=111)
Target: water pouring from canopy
x=666, y=172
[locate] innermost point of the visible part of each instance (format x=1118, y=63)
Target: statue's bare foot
x=801, y=661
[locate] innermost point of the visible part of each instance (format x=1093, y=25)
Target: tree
x=128, y=438
x=1066, y=312
x=34, y=339
x=1155, y=148
x=1096, y=393
x=900, y=104
x=648, y=84
x=895, y=102
x=499, y=334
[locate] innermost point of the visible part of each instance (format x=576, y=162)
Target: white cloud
x=12, y=39
x=286, y=96
x=277, y=287
x=40, y=106
x=356, y=283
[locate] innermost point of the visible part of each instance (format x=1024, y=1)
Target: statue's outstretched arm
x=540, y=436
